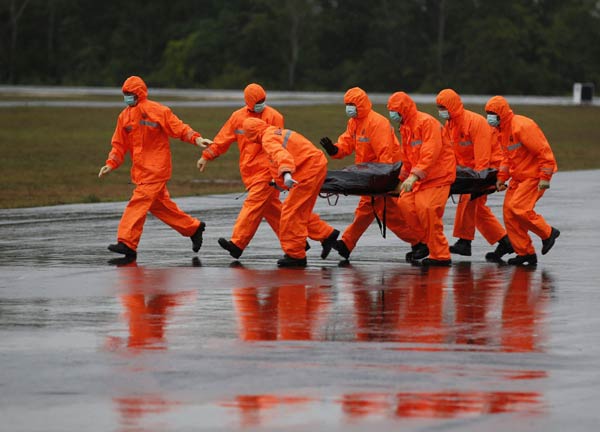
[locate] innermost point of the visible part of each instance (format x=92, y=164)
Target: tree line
x=475, y=46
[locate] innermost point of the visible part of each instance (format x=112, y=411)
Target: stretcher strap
x=328, y=195
x=381, y=223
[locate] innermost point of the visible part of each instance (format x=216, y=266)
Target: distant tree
x=15, y=12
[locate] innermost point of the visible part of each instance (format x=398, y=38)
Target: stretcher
x=373, y=178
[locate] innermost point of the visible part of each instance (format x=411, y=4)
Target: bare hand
x=201, y=164
x=544, y=184
x=104, y=170
x=203, y=142
x=407, y=185
x=500, y=186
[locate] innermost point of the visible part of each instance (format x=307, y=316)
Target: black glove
x=328, y=146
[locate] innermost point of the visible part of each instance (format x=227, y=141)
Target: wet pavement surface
x=184, y=341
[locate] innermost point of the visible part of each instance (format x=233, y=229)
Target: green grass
x=52, y=155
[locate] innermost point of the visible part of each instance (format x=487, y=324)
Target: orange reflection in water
x=438, y=404
x=252, y=408
x=149, y=302
x=405, y=308
x=281, y=312
x=133, y=409
x=256, y=410
x=498, y=308
x=522, y=310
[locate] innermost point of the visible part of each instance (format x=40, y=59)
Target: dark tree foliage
x=474, y=46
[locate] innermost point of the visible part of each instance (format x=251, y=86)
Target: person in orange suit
x=428, y=170
x=262, y=200
x=292, y=154
x=143, y=129
x=475, y=146
x=371, y=137
x=529, y=164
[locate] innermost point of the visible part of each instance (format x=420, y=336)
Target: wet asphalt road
x=184, y=341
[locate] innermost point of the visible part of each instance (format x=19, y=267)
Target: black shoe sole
x=129, y=253
x=329, y=243
x=195, y=244
x=228, y=246
x=291, y=264
x=459, y=252
x=525, y=261
x=546, y=248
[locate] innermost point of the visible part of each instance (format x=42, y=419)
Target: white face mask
x=444, y=114
x=493, y=120
x=129, y=100
x=351, y=111
x=259, y=107
x=395, y=117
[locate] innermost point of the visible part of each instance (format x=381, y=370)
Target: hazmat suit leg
x=363, y=217
x=297, y=209
x=520, y=217
x=430, y=204
x=134, y=216
x=400, y=220
x=262, y=201
x=318, y=229
x=471, y=214
x=165, y=209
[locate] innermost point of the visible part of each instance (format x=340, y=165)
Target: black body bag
x=476, y=183
x=367, y=178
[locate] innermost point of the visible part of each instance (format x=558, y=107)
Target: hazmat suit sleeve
x=383, y=141
x=431, y=147
x=222, y=141
x=272, y=142
x=345, y=143
x=534, y=140
x=119, y=146
x=175, y=128
x=482, y=135
x=406, y=164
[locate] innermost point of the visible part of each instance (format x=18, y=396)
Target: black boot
x=197, y=237
x=123, y=261
x=549, y=242
x=418, y=251
x=523, y=260
x=504, y=247
x=230, y=246
x=122, y=248
x=329, y=243
x=288, y=261
x=461, y=247
x=436, y=263
x=342, y=249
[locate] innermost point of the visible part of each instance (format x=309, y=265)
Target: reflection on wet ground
x=174, y=341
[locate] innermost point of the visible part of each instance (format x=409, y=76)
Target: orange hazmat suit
x=372, y=139
x=425, y=156
x=262, y=200
x=291, y=152
x=527, y=159
x=143, y=130
x=475, y=146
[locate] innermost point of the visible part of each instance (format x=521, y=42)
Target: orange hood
x=137, y=86
x=252, y=94
x=403, y=105
x=358, y=97
x=254, y=128
x=500, y=106
x=451, y=100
